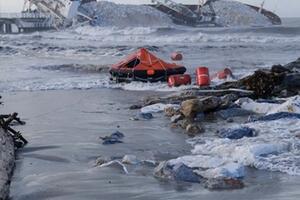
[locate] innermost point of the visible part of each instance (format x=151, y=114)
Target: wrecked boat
x=144, y=66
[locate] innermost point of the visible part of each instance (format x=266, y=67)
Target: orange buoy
x=202, y=76
x=223, y=74
x=176, y=56
x=178, y=80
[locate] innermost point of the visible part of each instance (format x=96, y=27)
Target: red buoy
x=176, y=56
x=202, y=76
x=224, y=74
x=178, y=80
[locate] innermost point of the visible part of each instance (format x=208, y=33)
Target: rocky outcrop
x=280, y=81
x=7, y=158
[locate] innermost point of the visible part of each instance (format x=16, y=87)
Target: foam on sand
x=291, y=105
x=276, y=148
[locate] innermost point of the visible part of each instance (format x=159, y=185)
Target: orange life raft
x=144, y=66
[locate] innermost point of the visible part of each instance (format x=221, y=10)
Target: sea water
x=59, y=82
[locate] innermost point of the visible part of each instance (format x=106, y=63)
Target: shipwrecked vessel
x=41, y=15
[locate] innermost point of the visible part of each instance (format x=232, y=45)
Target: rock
x=223, y=184
x=233, y=112
x=114, y=138
x=146, y=116
x=280, y=69
x=235, y=134
x=277, y=116
x=193, y=130
x=171, y=111
x=294, y=66
x=190, y=108
x=185, y=174
x=176, y=118
x=135, y=107
x=292, y=81
x=262, y=83
x=130, y=159
x=230, y=120
x=179, y=172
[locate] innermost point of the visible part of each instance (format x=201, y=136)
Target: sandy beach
x=63, y=128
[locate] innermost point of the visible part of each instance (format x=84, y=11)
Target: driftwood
x=5, y=124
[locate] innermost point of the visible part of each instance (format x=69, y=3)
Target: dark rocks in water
x=235, y=134
x=262, y=82
x=277, y=116
x=146, y=116
x=177, y=172
x=224, y=184
x=281, y=81
x=135, y=107
x=292, y=81
x=185, y=173
x=190, y=108
x=294, y=66
x=114, y=138
x=280, y=69
x=233, y=112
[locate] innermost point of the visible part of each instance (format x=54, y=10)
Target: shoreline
x=63, y=141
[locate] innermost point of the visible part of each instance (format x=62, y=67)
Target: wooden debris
x=5, y=124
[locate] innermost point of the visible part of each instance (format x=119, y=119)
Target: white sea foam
x=148, y=35
x=292, y=105
x=276, y=148
x=210, y=167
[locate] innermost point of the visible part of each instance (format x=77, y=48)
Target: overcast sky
x=284, y=8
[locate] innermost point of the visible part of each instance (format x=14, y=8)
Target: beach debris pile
x=256, y=124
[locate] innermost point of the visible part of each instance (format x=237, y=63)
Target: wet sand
x=63, y=128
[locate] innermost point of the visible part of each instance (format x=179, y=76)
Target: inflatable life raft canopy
x=144, y=66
